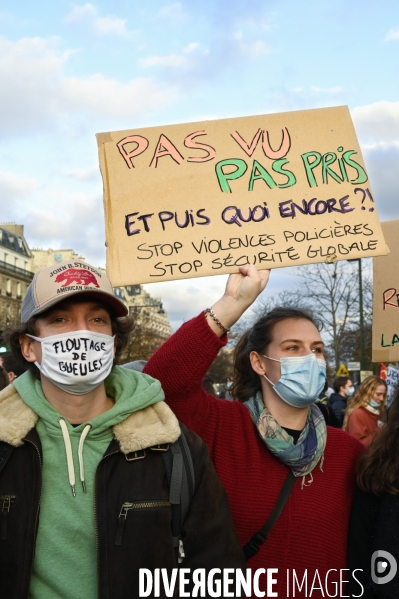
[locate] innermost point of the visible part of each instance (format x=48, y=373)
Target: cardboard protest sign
x=386, y=298
x=204, y=198
x=364, y=374
x=392, y=383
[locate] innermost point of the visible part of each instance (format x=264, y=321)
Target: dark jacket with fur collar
x=131, y=468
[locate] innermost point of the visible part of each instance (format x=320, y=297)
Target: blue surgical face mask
x=349, y=392
x=374, y=404
x=302, y=379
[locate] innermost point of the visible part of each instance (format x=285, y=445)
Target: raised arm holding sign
x=274, y=428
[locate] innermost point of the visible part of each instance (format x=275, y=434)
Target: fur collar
x=154, y=425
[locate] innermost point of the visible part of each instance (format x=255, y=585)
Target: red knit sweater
x=311, y=532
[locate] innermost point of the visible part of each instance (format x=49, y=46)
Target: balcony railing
x=16, y=270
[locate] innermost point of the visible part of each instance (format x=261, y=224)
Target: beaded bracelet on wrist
x=215, y=319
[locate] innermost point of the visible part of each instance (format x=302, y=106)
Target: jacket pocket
x=136, y=505
x=6, y=500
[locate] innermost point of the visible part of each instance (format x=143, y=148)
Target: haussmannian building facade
x=148, y=311
x=152, y=325
x=15, y=272
x=44, y=258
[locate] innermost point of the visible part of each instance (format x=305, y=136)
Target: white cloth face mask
x=77, y=362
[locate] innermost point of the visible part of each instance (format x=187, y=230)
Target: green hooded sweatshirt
x=65, y=563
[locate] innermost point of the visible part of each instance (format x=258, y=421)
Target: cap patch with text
x=55, y=283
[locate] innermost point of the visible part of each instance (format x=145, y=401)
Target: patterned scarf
x=303, y=457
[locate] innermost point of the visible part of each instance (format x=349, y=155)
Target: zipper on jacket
x=135, y=505
x=5, y=503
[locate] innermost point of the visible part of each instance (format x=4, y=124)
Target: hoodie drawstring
x=69, y=455
x=80, y=455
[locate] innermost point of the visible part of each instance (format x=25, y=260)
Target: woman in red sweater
x=365, y=410
x=273, y=428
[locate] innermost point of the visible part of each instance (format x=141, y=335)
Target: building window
x=8, y=288
x=19, y=291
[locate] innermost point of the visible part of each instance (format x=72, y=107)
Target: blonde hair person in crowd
x=365, y=410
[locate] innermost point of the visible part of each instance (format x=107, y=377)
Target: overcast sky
x=68, y=71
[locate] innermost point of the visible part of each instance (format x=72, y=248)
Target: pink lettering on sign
x=165, y=148
x=190, y=142
x=141, y=146
x=248, y=149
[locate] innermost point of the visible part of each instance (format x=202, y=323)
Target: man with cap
x=84, y=493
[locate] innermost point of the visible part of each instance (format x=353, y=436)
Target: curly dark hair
x=3, y=378
x=378, y=469
x=121, y=328
x=246, y=383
